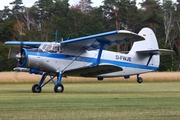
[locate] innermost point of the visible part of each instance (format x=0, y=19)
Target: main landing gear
x=139, y=79
x=58, y=87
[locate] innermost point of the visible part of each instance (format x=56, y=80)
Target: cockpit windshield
x=50, y=47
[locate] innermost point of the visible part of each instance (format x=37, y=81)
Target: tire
x=59, y=88
x=36, y=88
x=139, y=80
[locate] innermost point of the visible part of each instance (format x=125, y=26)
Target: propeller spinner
x=22, y=57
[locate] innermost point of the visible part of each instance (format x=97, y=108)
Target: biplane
x=89, y=57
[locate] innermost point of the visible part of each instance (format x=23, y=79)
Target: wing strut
x=150, y=57
x=102, y=43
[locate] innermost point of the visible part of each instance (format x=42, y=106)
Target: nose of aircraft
x=22, y=57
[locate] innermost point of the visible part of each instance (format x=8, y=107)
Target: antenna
x=56, y=37
x=68, y=37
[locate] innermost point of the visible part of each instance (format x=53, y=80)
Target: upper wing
x=158, y=52
x=110, y=38
x=25, y=44
x=91, y=42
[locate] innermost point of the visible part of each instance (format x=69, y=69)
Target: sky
x=29, y=3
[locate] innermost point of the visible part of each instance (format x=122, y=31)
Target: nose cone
x=18, y=56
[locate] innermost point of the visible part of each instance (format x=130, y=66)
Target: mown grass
x=92, y=101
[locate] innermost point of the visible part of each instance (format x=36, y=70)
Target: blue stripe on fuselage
x=93, y=60
x=127, y=64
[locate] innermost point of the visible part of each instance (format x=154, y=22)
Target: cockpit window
x=50, y=47
x=44, y=46
x=55, y=48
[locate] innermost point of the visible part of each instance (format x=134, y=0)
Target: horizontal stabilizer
x=157, y=52
x=93, y=71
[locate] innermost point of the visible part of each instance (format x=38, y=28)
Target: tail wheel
x=139, y=80
x=59, y=88
x=36, y=88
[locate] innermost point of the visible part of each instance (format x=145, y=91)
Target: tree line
x=39, y=23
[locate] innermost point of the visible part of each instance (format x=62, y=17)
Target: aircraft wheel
x=139, y=80
x=36, y=88
x=59, y=88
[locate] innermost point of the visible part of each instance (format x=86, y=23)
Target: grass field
x=157, y=98
x=92, y=101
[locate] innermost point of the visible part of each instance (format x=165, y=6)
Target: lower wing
x=93, y=71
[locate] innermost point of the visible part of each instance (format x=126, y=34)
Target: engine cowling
x=29, y=58
x=22, y=57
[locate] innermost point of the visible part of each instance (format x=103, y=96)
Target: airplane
x=88, y=57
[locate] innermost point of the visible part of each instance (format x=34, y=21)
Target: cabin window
x=51, y=47
x=48, y=48
x=54, y=48
x=44, y=46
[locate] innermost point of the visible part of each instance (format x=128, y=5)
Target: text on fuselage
x=124, y=58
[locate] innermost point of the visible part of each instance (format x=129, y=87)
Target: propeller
x=12, y=52
x=21, y=56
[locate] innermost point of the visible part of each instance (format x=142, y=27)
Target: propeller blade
x=12, y=53
x=21, y=40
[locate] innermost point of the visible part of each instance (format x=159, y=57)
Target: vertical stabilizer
x=146, y=51
x=150, y=42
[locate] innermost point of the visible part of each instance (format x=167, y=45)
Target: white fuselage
x=131, y=63
x=54, y=58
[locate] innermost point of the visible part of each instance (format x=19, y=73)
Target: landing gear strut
x=139, y=79
x=58, y=87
